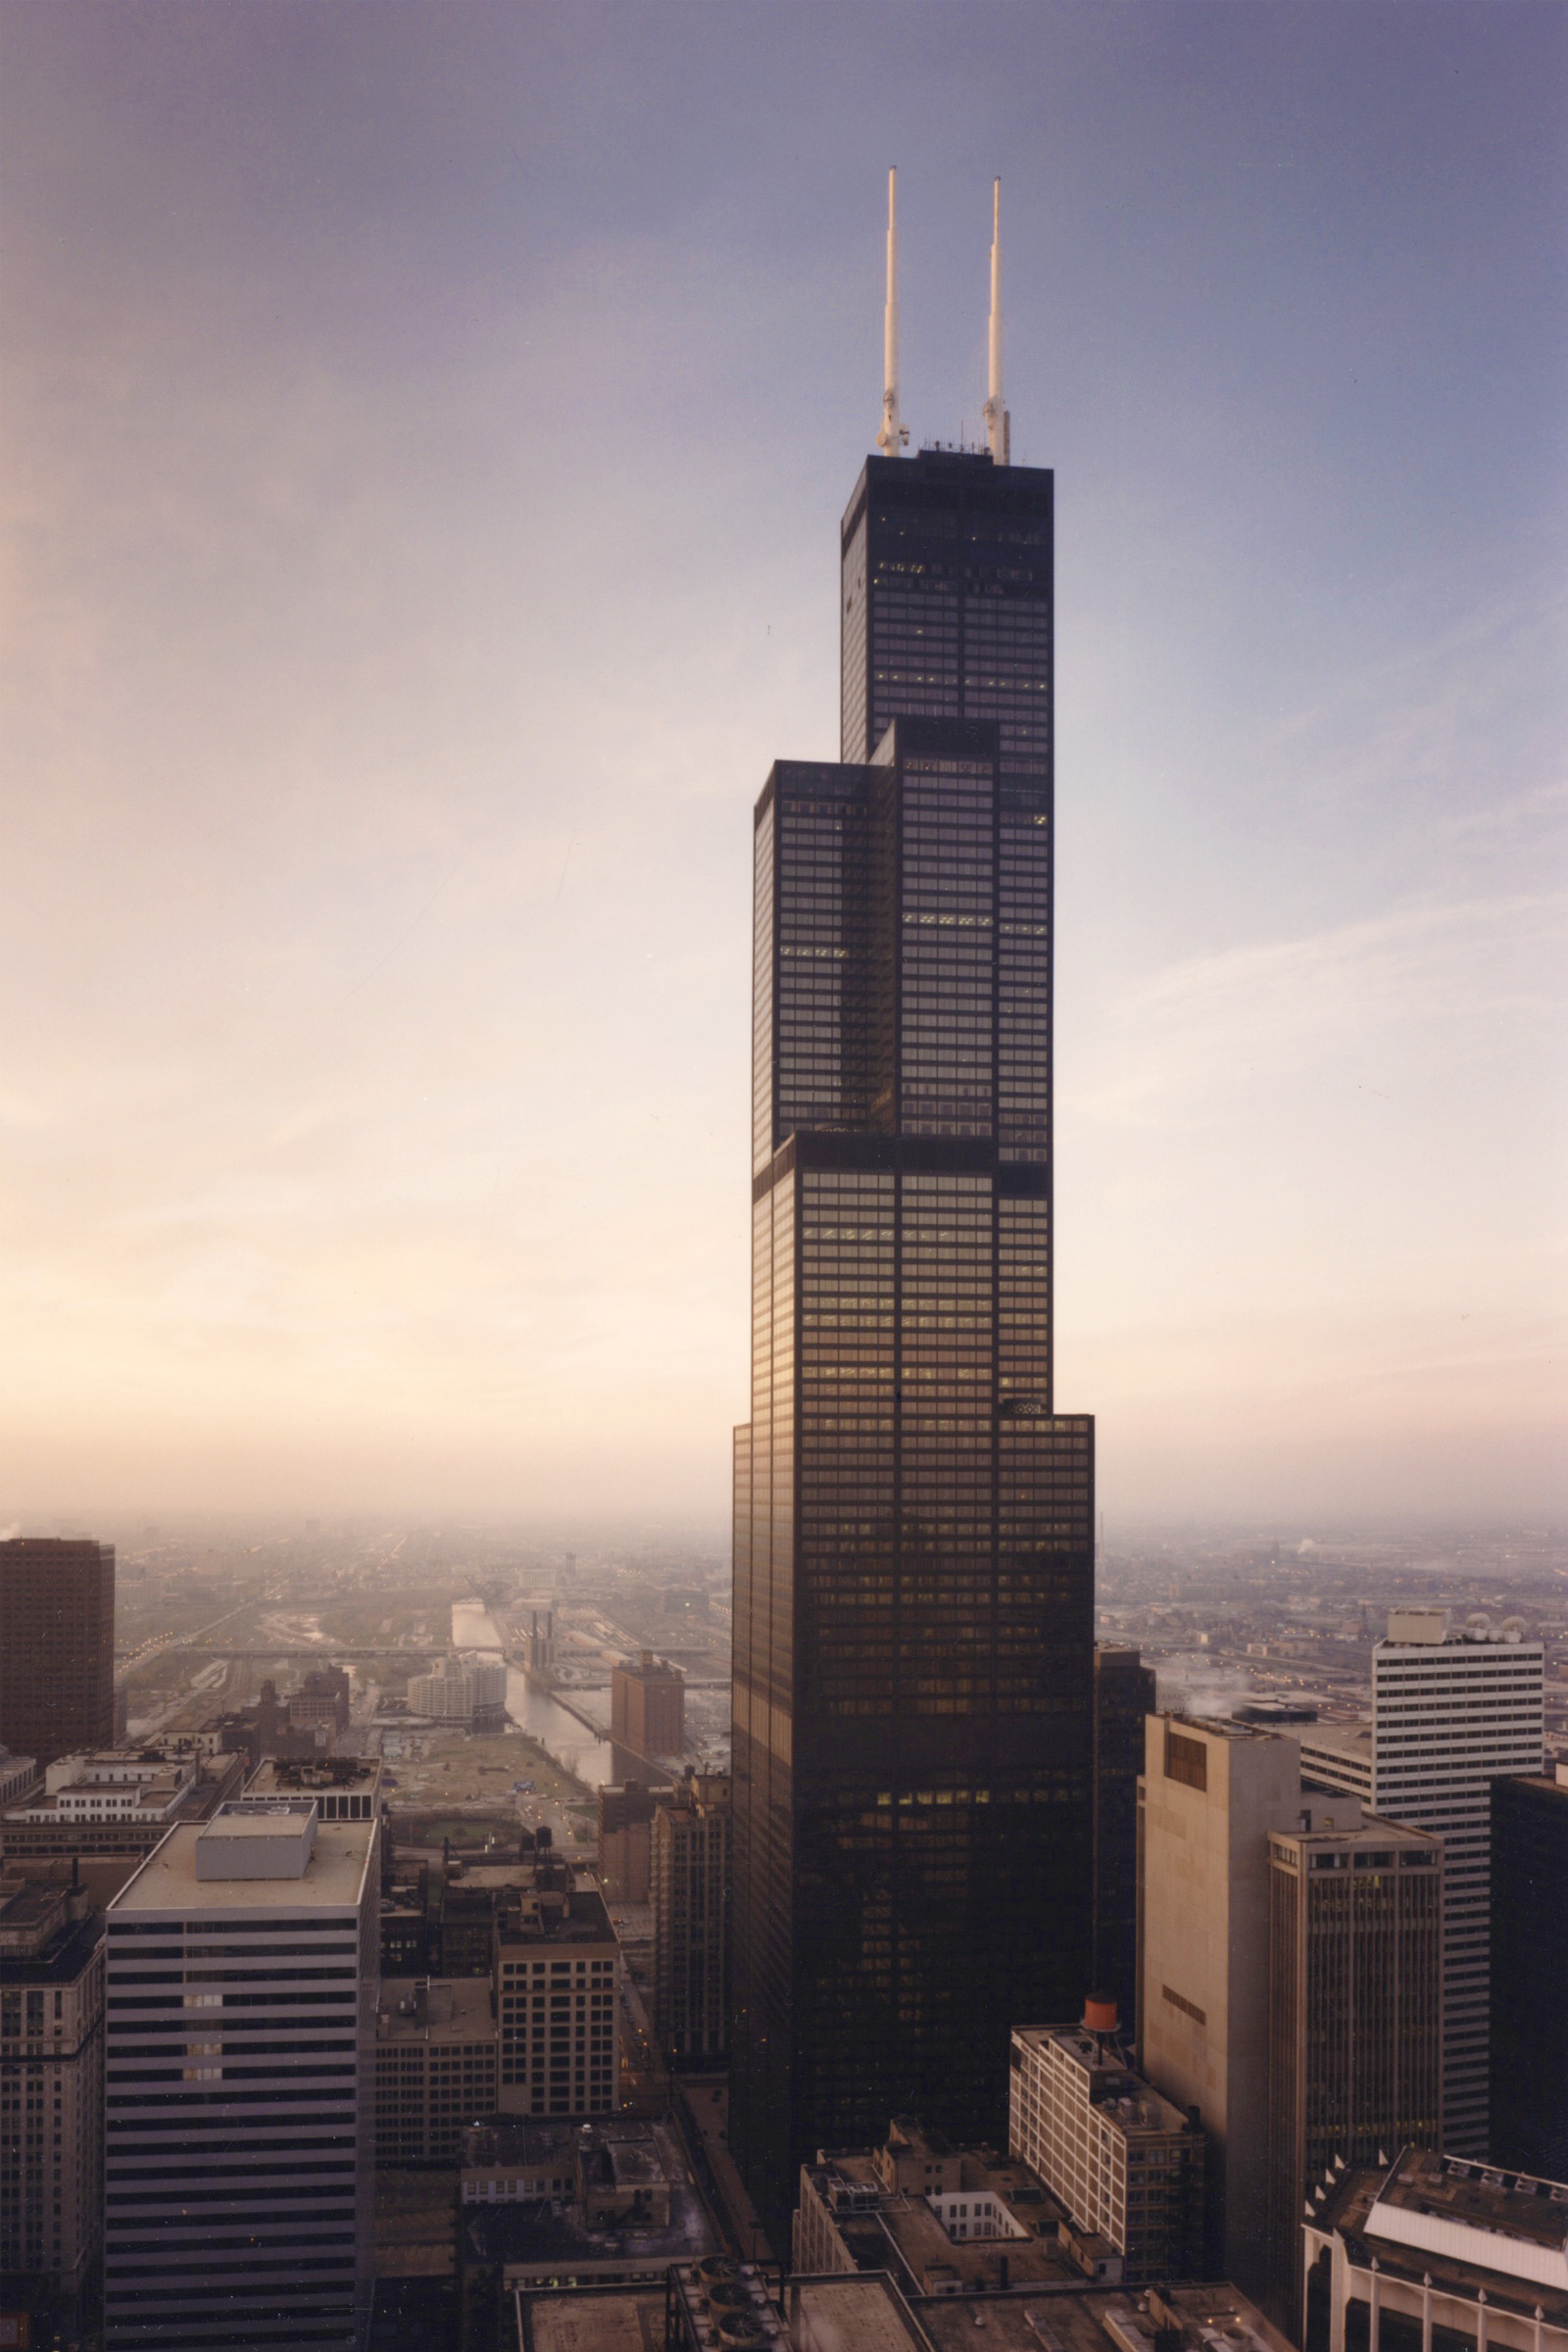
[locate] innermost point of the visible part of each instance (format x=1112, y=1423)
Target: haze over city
x=424, y=457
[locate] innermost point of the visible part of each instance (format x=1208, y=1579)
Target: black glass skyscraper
x=914, y=1547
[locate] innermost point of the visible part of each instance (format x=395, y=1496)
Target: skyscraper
x=1452, y=1707
x=1124, y=1695
x=1354, y=2017
x=1529, y=1938
x=57, y=1645
x=239, y=2138
x=913, y=1553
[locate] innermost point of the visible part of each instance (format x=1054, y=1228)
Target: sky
x=424, y=434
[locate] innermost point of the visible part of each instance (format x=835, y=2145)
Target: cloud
x=1183, y=1046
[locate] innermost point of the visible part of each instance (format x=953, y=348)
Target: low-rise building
x=941, y=2219
x=558, y=1993
x=691, y=1874
x=1127, y=2165
x=437, y=2057
x=119, y=1801
x=345, y=1787
x=1435, y=2250
x=620, y=2205
x=51, y=2084
x=715, y=2303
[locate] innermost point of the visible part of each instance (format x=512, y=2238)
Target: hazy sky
x=425, y=434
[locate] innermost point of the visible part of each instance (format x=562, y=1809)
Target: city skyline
x=367, y=387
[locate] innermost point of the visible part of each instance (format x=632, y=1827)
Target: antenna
x=999, y=425
x=893, y=438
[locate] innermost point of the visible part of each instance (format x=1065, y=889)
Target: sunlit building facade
x=914, y=1559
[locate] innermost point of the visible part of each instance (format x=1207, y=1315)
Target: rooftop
x=1128, y=2101
x=417, y=2009
x=896, y=2230
x=555, y=1918
x=277, y=1773
x=539, y=2237
x=1468, y=2224
x=48, y=1933
x=168, y=1882
x=593, y=2319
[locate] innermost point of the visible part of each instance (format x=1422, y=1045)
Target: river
x=534, y=1711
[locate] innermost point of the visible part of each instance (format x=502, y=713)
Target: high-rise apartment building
x=57, y=1645
x=1452, y=1707
x=1355, y=2017
x=51, y=2086
x=239, y=2141
x=690, y=1866
x=1529, y=1954
x=1124, y=1696
x=914, y=1546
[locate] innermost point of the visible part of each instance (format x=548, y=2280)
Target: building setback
x=1355, y=2016
x=51, y=2084
x=690, y=1866
x=57, y=1645
x=1529, y=1955
x=1452, y=1707
x=239, y=2136
x=912, y=1734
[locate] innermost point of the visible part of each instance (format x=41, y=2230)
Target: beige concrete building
x=51, y=2084
x=1211, y=1793
x=1126, y=2164
x=437, y=2066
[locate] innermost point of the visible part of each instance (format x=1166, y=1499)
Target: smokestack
x=891, y=437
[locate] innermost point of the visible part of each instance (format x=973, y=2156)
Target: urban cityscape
x=939, y=1897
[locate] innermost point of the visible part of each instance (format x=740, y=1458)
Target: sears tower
x=913, y=1519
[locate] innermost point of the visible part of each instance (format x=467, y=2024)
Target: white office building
x=1453, y=1708
x=240, y=2092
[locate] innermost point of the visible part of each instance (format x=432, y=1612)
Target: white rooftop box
x=257, y=1838
x=1418, y=1625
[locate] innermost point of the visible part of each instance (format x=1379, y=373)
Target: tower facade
x=1452, y=1709
x=57, y=1647
x=913, y=1554
x=240, y=2064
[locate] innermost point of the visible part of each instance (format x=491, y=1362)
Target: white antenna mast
x=893, y=438
x=999, y=425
